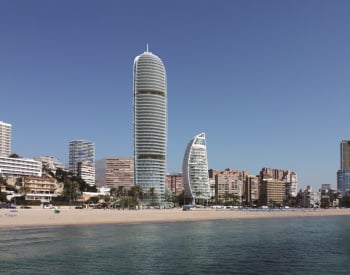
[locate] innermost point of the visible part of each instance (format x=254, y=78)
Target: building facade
x=273, y=186
x=120, y=172
x=229, y=186
x=175, y=183
x=195, y=169
x=150, y=124
x=41, y=188
x=82, y=159
x=343, y=175
x=343, y=182
x=309, y=199
x=345, y=155
x=51, y=163
x=272, y=192
x=251, y=190
x=5, y=139
x=87, y=171
x=291, y=182
x=18, y=167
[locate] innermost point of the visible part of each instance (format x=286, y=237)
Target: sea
x=297, y=245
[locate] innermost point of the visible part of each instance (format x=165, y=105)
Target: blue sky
x=267, y=81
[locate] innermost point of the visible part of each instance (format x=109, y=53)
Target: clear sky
x=267, y=81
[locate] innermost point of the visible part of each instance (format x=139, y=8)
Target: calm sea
x=315, y=245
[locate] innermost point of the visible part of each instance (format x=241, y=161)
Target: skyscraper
x=82, y=160
x=195, y=169
x=343, y=175
x=5, y=139
x=345, y=155
x=150, y=124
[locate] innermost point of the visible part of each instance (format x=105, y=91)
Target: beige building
x=272, y=192
x=251, y=189
x=40, y=188
x=272, y=186
x=120, y=172
x=174, y=183
x=229, y=185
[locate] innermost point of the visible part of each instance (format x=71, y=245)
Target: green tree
x=71, y=190
x=113, y=192
x=60, y=174
x=24, y=190
x=14, y=155
x=121, y=192
x=3, y=196
x=3, y=181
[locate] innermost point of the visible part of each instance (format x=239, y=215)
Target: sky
x=266, y=81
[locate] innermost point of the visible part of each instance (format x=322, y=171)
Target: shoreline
x=38, y=217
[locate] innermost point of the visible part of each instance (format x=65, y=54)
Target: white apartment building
x=50, y=162
x=17, y=167
x=150, y=123
x=195, y=169
x=87, y=172
x=82, y=160
x=5, y=139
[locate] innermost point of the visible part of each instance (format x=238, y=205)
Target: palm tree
x=121, y=192
x=71, y=190
x=113, y=192
x=24, y=190
x=138, y=193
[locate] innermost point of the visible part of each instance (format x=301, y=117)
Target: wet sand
x=39, y=217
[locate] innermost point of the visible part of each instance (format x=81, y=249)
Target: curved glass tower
x=195, y=170
x=150, y=125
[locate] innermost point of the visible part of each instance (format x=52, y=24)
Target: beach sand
x=39, y=217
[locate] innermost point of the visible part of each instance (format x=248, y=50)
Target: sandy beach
x=47, y=217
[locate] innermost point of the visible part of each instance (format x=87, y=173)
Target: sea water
x=304, y=245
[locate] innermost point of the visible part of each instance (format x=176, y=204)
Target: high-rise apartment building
x=82, y=160
x=195, y=169
x=343, y=175
x=119, y=172
x=345, y=155
x=150, y=124
x=5, y=139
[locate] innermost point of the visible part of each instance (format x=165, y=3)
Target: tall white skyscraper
x=82, y=160
x=150, y=124
x=5, y=139
x=195, y=169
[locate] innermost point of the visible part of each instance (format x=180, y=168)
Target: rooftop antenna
x=147, y=48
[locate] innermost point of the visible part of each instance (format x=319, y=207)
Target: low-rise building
x=40, y=188
x=307, y=198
